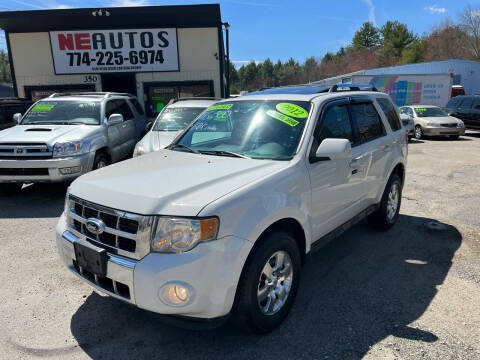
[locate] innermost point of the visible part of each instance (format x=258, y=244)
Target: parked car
x=220, y=223
x=430, y=120
x=467, y=109
x=174, y=117
x=66, y=135
x=408, y=123
x=10, y=106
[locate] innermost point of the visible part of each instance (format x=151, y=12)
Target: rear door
x=375, y=145
x=336, y=185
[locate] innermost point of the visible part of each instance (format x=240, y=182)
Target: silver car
x=174, y=118
x=430, y=120
x=66, y=135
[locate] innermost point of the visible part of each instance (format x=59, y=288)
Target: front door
x=337, y=185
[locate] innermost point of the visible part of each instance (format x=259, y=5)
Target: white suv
x=219, y=224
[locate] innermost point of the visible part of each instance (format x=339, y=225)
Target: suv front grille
x=125, y=234
x=13, y=151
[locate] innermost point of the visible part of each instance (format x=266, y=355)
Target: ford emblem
x=95, y=226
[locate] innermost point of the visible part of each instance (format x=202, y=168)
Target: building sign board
x=103, y=51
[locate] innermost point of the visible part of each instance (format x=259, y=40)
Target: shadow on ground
x=34, y=201
x=358, y=290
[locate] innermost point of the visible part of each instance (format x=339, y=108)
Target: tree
x=395, y=38
x=470, y=23
x=367, y=36
x=268, y=72
x=446, y=41
x=5, y=75
x=414, y=52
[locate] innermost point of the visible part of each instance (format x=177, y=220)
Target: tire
x=454, y=137
x=386, y=215
x=250, y=310
x=419, y=132
x=10, y=188
x=101, y=160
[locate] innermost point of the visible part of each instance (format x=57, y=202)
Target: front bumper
x=212, y=269
x=440, y=131
x=47, y=170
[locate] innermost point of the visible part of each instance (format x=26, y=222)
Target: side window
x=467, y=103
x=111, y=108
x=454, y=102
x=336, y=124
x=137, y=106
x=390, y=112
x=368, y=121
x=124, y=109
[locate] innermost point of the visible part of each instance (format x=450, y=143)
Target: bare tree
x=447, y=41
x=470, y=23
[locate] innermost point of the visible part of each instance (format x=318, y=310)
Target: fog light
x=176, y=294
x=70, y=170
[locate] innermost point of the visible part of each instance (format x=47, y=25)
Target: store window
x=158, y=95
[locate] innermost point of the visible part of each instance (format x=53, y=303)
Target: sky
x=282, y=29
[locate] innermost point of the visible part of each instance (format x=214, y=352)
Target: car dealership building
x=155, y=52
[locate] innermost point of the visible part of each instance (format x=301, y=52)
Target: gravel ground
x=410, y=293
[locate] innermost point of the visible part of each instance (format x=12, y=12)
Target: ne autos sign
x=100, y=51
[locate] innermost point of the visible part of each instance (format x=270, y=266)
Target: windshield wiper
x=223, y=153
x=181, y=146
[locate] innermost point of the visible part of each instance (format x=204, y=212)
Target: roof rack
x=352, y=87
x=305, y=89
x=91, y=94
x=173, y=101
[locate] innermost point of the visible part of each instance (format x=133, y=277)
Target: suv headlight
x=70, y=148
x=460, y=124
x=177, y=235
x=139, y=149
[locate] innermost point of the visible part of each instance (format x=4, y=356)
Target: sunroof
x=301, y=90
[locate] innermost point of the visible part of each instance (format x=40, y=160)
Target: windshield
x=254, y=129
x=63, y=113
x=430, y=112
x=175, y=119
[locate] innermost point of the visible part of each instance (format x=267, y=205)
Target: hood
x=48, y=134
x=440, y=119
x=156, y=140
x=170, y=182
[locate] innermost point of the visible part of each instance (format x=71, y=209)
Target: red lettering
x=65, y=42
x=82, y=41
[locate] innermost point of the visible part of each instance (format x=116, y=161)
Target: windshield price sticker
x=43, y=107
x=99, y=51
x=283, y=118
x=292, y=110
x=220, y=107
x=420, y=109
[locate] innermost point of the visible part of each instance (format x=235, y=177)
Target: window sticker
x=292, y=110
x=283, y=118
x=420, y=109
x=221, y=116
x=43, y=107
x=220, y=107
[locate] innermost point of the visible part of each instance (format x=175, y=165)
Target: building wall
x=198, y=50
x=465, y=72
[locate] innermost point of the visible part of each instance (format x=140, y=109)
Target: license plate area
x=91, y=259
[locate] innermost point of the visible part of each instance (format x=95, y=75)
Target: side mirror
x=114, y=119
x=334, y=149
x=17, y=117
